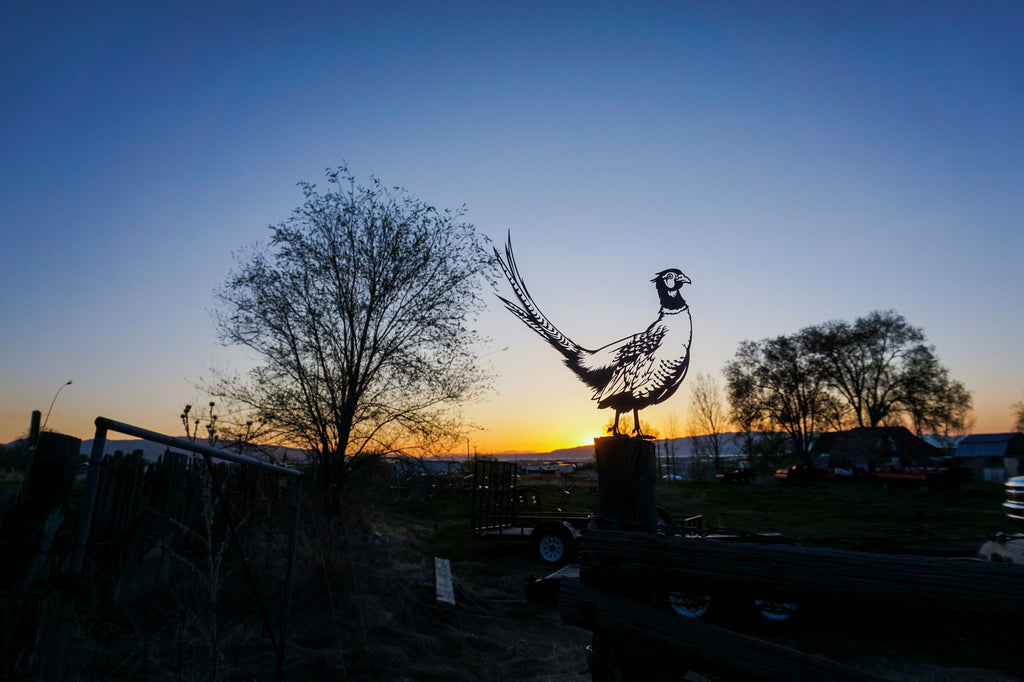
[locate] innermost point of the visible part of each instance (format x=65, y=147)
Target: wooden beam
x=790, y=573
x=693, y=644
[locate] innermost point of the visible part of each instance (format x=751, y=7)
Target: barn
x=867, y=449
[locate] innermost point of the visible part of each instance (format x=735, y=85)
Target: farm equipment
x=501, y=511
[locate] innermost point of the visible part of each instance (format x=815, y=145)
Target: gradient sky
x=799, y=161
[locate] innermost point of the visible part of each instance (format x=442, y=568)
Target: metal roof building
x=993, y=456
x=991, y=445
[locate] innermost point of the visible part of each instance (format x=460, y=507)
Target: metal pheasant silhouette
x=629, y=374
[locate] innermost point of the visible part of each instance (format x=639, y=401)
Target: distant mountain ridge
x=680, y=447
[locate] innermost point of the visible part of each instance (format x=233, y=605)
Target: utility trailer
x=498, y=512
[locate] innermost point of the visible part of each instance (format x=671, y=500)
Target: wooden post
x=52, y=475
x=33, y=432
x=627, y=473
x=29, y=556
x=626, y=501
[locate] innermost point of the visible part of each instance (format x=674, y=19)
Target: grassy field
x=857, y=515
x=838, y=513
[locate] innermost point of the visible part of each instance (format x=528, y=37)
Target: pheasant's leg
x=615, y=425
x=636, y=424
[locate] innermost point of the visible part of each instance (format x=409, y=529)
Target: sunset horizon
x=799, y=165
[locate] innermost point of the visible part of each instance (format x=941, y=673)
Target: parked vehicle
x=796, y=474
x=738, y=475
x=1014, y=505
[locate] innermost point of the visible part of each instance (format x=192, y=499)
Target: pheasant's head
x=668, y=283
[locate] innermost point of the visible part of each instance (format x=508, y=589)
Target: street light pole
x=52, y=402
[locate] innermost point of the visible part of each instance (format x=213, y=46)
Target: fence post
x=287, y=602
x=37, y=516
x=33, y=432
x=54, y=671
x=51, y=477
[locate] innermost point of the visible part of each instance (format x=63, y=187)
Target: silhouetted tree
x=766, y=450
x=708, y=419
x=878, y=370
x=883, y=371
x=669, y=445
x=777, y=384
x=358, y=310
x=1018, y=411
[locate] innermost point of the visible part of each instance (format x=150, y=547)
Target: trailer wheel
x=774, y=611
x=689, y=604
x=554, y=544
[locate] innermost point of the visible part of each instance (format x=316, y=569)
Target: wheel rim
x=551, y=548
x=689, y=604
x=775, y=611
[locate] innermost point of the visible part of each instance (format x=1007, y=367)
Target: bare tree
x=669, y=445
x=359, y=309
x=708, y=419
x=1018, y=411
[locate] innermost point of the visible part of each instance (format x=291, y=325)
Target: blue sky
x=799, y=161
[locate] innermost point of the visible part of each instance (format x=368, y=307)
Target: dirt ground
x=369, y=612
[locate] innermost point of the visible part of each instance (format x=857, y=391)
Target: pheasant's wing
x=636, y=366
x=665, y=374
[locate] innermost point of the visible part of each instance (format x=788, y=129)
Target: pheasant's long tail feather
x=529, y=313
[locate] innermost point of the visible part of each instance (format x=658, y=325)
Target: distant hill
x=683, y=447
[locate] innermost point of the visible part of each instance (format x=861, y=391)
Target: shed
x=866, y=448
x=992, y=456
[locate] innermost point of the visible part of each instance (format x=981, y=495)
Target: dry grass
x=364, y=606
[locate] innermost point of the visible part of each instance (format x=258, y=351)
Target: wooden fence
x=141, y=502
x=156, y=527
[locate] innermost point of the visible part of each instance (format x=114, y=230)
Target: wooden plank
x=697, y=645
x=443, y=581
x=810, y=575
